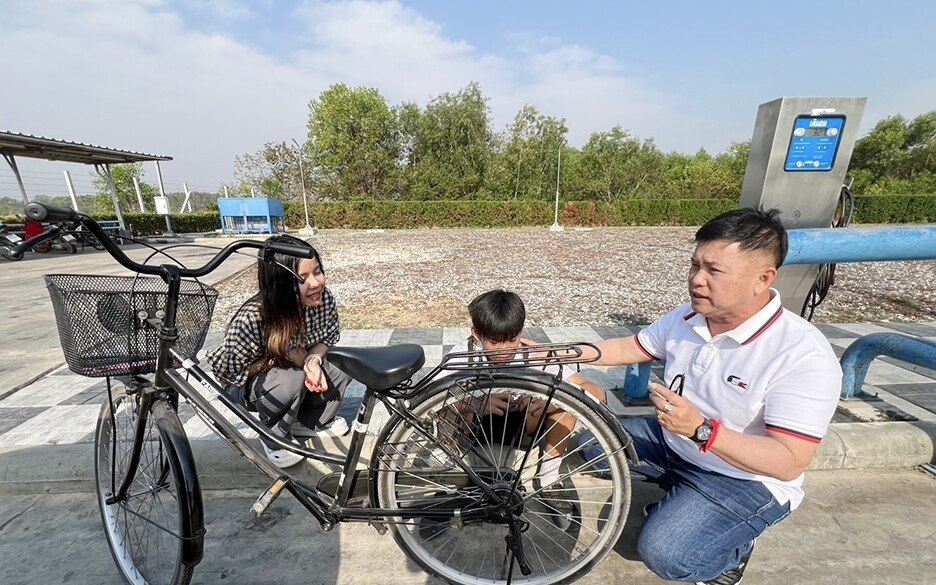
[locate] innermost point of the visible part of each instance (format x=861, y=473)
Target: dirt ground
x=604, y=276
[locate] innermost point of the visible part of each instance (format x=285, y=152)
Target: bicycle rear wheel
x=156, y=533
x=566, y=526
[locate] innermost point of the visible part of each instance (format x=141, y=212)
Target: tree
x=123, y=176
x=526, y=165
x=453, y=147
x=615, y=165
x=897, y=156
x=354, y=144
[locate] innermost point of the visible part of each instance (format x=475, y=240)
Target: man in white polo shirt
x=752, y=389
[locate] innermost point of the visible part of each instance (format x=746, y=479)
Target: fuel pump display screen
x=814, y=143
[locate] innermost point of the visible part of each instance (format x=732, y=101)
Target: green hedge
x=447, y=214
x=895, y=209
x=486, y=214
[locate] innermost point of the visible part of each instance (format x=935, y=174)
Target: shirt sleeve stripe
x=643, y=349
x=792, y=433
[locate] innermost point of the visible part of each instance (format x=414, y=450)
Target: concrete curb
x=70, y=468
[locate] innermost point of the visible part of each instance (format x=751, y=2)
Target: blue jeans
x=706, y=521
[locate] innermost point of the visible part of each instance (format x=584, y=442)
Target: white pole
x=71, y=190
x=226, y=192
x=162, y=193
x=188, y=195
x=139, y=192
x=305, y=201
x=555, y=227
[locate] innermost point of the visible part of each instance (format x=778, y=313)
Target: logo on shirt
x=736, y=381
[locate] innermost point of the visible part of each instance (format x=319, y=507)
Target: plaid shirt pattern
x=243, y=341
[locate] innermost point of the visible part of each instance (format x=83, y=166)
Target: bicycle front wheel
x=155, y=533
x=546, y=490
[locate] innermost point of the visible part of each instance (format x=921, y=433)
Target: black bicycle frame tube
x=192, y=368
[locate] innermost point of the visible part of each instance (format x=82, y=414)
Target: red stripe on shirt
x=765, y=326
x=643, y=349
x=792, y=433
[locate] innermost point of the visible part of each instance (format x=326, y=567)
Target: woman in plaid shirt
x=272, y=356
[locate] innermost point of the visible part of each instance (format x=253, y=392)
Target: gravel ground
x=604, y=276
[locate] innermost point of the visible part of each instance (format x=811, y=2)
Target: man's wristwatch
x=703, y=433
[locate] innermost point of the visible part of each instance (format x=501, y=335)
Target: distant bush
x=895, y=208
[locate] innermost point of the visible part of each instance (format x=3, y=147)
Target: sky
x=206, y=81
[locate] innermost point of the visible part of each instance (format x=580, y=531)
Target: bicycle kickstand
x=515, y=546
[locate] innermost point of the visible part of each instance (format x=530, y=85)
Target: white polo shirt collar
x=746, y=332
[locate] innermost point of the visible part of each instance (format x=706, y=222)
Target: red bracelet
x=716, y=424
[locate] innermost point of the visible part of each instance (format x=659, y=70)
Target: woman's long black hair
x=280, y=307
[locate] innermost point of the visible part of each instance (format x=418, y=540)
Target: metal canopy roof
x=26, y=145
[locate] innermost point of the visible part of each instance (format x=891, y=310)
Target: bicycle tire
x=411, y=471
x=156, y=535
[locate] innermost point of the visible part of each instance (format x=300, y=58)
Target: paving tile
x=834, y=332
x=862, y=329
x=365, y=337
x=916, y=329
x=49, y=391
x=93, y=395
x=571, y=334
x=11, y=418
x=903, y=390
x=419, y=336
x=455, y=335
x=54, y=426
x=612, y=332
x=536, y=334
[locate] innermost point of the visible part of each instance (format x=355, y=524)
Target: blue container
x=254, y=215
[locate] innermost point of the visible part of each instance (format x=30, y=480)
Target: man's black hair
x=754, y=229
x=497, y=315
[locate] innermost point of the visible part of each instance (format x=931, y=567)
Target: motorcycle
x=62, y=243
x=8, y=241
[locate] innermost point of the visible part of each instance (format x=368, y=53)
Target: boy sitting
x=497, y=320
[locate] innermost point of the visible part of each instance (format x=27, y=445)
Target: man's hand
x=675, y=413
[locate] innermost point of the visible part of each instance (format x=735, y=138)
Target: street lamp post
x=555, y=227
x=305, y=201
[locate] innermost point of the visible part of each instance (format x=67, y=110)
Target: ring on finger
x=668, y=407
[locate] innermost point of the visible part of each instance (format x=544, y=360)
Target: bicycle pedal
x=267, y=497
x=358, y=497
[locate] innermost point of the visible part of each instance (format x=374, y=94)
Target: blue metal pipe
x=863, y=244
x=637, y=380
x=858, y=356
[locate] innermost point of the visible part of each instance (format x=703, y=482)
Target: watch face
x=703, y=433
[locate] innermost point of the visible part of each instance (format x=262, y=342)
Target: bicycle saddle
x=379, y=368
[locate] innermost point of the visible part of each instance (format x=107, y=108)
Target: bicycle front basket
x=102, y=321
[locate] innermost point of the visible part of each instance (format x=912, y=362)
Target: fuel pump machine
x=799, y=157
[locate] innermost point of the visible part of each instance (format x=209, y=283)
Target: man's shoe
x=560, y=507
x=732, y=576
x=338, y=427
x=281, y=457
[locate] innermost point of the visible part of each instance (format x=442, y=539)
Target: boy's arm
x=593, y=390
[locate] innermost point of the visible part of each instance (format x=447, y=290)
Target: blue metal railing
x=857, y=358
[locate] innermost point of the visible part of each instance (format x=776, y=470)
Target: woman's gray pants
x=280, y=398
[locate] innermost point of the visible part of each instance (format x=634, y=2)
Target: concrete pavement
x=854, y=527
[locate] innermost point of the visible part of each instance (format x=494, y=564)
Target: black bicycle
x=461, y=499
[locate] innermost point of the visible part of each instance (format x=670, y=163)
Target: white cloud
x=136, y=75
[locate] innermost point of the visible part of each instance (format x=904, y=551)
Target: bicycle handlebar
x=42, y=212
